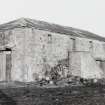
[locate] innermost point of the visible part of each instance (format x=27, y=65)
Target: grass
x=68, y=95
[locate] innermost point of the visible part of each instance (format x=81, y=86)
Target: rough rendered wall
x=98, y=50
x=89, y=67
x=82, y=44
x=75, y=63
x=82, y=64
x=43, y=51
x=15, y=39
x=83, y=58
x=35, y=51
x=16, y=43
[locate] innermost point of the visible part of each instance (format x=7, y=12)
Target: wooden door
x=8, y=65
x=2, y=66
x=5, y=65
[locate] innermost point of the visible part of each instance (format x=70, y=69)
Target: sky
x=83, y=14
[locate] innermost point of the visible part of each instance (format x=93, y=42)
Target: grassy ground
x=32, y=95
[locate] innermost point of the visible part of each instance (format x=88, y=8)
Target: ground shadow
x=6, y=100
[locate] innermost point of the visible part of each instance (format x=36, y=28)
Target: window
x=91, y=45
x=73, y=44
x=101, y=64
x=49, y=38
x=7, y=49
x=98, y=62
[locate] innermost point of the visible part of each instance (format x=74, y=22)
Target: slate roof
x=26, y=22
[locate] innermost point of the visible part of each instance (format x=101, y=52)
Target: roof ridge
x=27, y=22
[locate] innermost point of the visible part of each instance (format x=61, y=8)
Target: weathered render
x=30, y=48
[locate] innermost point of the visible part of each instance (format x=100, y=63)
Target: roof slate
x=26, y=22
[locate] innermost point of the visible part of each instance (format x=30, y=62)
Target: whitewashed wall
x=31, y=47
x=35, y=51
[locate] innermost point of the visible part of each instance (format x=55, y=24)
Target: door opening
x=8, y=52
x=5, y=65
x=8, y=65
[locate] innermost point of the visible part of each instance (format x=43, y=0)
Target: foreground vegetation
x=33, y=94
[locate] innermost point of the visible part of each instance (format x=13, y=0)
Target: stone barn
x=31, y=49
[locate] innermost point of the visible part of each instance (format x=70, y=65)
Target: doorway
x=5, y=65
x=8, y=64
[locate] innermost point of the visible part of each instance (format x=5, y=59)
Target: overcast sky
x=83, y=14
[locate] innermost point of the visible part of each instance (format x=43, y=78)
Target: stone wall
x=82, y=44
x=36, y=51
x=83, y=58
x=82, y=64
x=98, y=50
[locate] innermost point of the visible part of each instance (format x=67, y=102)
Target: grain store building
x=29, y=49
